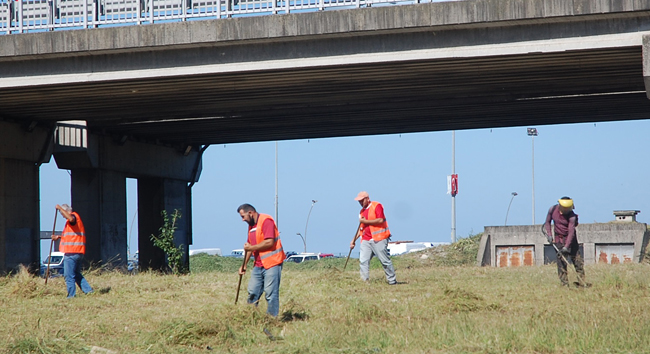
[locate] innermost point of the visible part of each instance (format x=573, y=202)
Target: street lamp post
x=532, y=132
x=307, y=224
x=303, y=241
x=514, y=194
x=453, y=196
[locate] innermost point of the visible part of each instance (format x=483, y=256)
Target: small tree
x=165, y=241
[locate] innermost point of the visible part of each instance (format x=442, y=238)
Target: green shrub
x=165, y=241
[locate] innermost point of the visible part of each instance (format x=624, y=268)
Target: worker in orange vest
x=73, y=245
x=374, y=233
x=265, y=247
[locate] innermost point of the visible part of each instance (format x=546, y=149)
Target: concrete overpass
x=167, y=90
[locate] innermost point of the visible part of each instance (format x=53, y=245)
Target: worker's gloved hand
x=550, y=239
x=565, y=250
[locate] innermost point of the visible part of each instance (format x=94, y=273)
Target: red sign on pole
x=454, y=185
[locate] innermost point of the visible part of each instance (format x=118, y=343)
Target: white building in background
x=209, y=251
x=400, y=247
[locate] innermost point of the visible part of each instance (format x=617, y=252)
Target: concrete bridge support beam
x=99, y=197
x=19, y=214
x=646, y=64
x=100, y=167
x=154, y=196
x=22, y=149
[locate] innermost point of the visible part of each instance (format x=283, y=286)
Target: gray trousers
x=370, y=248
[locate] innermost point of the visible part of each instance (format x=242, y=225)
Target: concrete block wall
x=589, y=235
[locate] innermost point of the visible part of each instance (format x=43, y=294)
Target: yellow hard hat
x=566, y=202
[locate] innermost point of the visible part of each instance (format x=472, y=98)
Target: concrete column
x=99, y=196
x=646, y=64
x=22, y=148
x=154, y=196
x=19, y=214
x=589, y=252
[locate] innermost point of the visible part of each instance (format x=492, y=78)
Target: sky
x=601, y=166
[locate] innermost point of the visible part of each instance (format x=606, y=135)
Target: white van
x=56, y=265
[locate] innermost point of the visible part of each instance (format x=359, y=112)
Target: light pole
x=532, y=132
x=303, y=241
x=277, y=220
x=453, y=196
x=514, y=194
x=307, y=224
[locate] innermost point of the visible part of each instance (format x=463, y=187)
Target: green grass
x=439, y=309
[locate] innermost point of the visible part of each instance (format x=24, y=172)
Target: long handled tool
x=356, y=235
x=247, y=256
x=49, y=257
x=554, y=246
x=580, y=281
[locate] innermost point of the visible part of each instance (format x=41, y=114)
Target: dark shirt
x=564, y=225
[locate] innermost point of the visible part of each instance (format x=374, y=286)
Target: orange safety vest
x=274, y=256
x=381, y=231
x=73, y=239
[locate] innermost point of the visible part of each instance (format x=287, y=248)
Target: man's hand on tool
x=565, y=250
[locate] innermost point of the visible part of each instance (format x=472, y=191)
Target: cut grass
x=459, y=309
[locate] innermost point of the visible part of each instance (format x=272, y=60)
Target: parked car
x=56, y=265
x=301, y=257
x=238, y=253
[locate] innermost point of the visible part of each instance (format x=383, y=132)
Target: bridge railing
x=20, y=16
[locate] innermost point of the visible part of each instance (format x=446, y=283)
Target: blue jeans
x=72, y=274
x=268, y=281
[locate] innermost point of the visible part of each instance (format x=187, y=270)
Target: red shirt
x=564, y=225
x=268, y=228
x=379, y=214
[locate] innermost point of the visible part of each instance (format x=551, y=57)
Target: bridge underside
x=398, y=97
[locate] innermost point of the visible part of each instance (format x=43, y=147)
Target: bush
x=165, y=241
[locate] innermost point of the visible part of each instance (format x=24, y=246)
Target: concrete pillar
x=646, y=64
x=22, y=148
x=19, y=214
x=100, y=165
x=154, y=196
x=99, y=196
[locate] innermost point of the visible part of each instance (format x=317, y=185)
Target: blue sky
x=602, y=166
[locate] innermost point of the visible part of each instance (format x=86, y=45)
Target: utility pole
x=276, y=184
x=532, y=132
x=453, y=195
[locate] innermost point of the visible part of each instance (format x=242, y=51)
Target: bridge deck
x=438, y=66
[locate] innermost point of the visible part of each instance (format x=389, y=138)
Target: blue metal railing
x=20, y=16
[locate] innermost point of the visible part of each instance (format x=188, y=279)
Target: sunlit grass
x=462, y=309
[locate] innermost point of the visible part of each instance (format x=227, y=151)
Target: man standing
x=73, y=245
x=566, y=240
x=265, y=246
x=374, y=233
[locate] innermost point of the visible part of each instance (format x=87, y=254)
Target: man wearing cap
x=374, y=233
x=566, y=240
x=73, y=245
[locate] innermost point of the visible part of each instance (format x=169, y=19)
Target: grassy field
x=438, y=309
